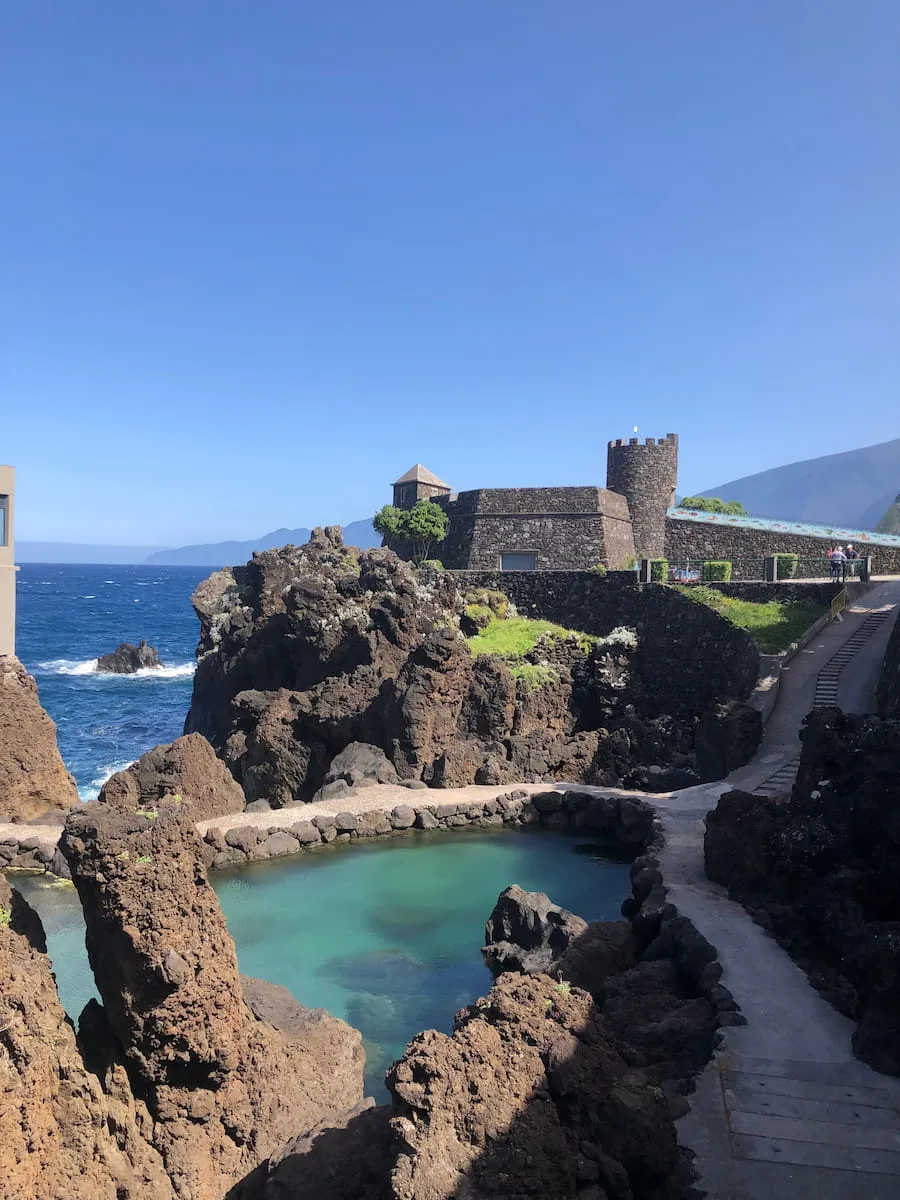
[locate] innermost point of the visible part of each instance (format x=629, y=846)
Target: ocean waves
x=91, y=790
x=88, y=666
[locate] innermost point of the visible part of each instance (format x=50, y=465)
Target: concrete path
x=784, y=1112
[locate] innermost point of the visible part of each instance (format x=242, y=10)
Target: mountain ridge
x=853, y=488
x=230, y=553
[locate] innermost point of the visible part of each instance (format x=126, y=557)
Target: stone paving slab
x=750, y=1100
x=823, y=1133
x=814, y=1154
x=740, y=1084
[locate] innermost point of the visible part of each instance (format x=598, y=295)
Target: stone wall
x=645, y=473
x=569, y=528
x=688, y=657
x=759, y=592
x=889, y=683
x=745, y=548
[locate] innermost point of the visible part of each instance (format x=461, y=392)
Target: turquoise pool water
x=385, y=934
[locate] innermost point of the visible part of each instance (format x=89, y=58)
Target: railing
x=839, y=603
x=690, y=570
x=822, y=568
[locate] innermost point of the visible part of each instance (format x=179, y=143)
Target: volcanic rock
x=526, y=931
x=821, y=868
x=529, y=1097
x=359, y=765
x=33, y=779
x=322, y=665
x=63, y=1134
x=126, y=659
x=223, y=1085
x=187, y=767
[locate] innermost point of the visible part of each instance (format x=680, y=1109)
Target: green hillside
x=890, y=522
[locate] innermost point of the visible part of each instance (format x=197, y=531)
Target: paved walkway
x=785, y=1112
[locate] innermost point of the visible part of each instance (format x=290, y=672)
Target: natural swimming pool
x=384, y=933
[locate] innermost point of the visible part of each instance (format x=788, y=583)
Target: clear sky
x=259, y=257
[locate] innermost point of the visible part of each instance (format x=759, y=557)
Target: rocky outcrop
x=656, y=991
x=33, y=779
x=187, y=767
x=346, y=1157
x=528, y=1097
x=64, y=1134
x=357, y=765
x=228, y=1073
x=822, y=869
x=127, y=659
x=305, y=652
x=527, y=932
x=889, y=680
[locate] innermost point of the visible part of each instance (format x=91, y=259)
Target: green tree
x=713, y=504
x=388, y=521
x=416, y=531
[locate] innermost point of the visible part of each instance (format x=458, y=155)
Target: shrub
x=716, y=571
x=498, y=602
x=475, y=618
x=5, y=916
x=786, y=566
x=599, y=569
x=434, y=563
x=418, y=529
x=713, y=504
x=659, y=570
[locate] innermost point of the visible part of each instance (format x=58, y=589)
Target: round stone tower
x=646, y=474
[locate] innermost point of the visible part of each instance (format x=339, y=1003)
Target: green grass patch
x=514, y=637
x=773, y=625
x=533, y=675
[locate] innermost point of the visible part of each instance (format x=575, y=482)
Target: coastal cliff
x=187, y=1076
x=307, y=650
x=33, y=778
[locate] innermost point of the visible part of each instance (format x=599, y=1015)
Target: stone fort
x=633, y=517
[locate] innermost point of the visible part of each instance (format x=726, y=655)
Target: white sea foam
x=67, y=666
x=91, y=791
x=180, y=671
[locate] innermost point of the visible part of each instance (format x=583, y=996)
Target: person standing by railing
x=851, y=555
x=838, y=560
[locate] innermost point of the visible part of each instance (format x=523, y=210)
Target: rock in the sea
x=527, y=932
x=528, y=1098
x=63, y=1134
x=33, y=779
x=126, y=659
x=228, y=1076
x=187, y=767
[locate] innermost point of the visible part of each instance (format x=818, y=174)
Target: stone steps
x=828, y=680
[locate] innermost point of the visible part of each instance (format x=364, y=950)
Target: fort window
x=4, y=520
x=514, y=561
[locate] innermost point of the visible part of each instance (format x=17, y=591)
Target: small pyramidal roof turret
x=420, y=474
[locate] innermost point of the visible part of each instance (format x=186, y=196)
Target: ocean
x=67, y=616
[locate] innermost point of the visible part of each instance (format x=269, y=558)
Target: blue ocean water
x=66, y=617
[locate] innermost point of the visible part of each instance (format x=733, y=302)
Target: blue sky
x=261, y=257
